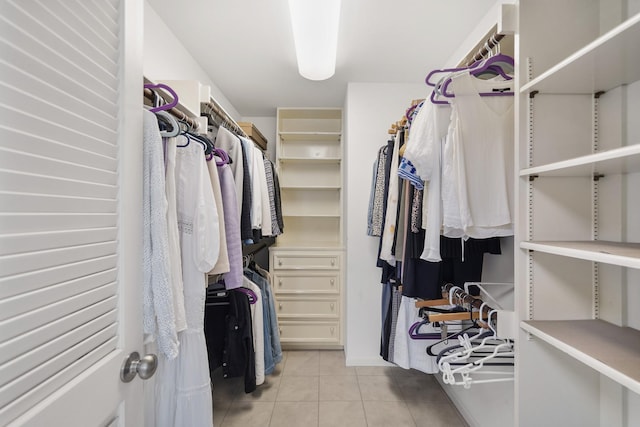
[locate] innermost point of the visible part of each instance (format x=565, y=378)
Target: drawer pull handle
x=279, y=262
x=280, y=306
x=280, y=331
x=333, y=262
x=279, y=282
x=332, y=306
x=332, y=330
x=332, y=281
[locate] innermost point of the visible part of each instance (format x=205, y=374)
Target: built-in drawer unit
x=286, y=282
x=307, y=291
x=307, y=332
x=307, y=307
x=305, y=261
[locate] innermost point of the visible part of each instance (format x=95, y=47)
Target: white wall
x=166, y=58
x=370, y=109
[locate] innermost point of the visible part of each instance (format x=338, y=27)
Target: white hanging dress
x=186, y=388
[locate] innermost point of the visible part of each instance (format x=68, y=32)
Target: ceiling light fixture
x=315, y=33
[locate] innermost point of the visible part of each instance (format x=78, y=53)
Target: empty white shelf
x=608, y=62
x=336, y=160
x=619, y=160
x=615, y=253
x=310, y=215
x=612, y=350
x=315, y=187
x=311, y=136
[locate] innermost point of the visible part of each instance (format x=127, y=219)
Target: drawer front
x=306, y=261
x=309, y=332
x=302, y=283
x=289, y=307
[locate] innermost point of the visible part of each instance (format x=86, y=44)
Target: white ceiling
x=246, y=46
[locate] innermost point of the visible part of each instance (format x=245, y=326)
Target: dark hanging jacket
x=230, y=341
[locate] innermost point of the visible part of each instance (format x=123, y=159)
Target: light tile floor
x=317, y=389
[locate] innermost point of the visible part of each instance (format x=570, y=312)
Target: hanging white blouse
x=257, y=326
x=451, y=220
x=426, y=138
x=175, y=262
x=229, y=142
x=256, y=189
x=483, y=156
x=222, y=265
x=158, y=309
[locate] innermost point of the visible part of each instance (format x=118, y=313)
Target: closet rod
x=212, y=106
x=461, y=298
x=180, y=115
x=491, y=42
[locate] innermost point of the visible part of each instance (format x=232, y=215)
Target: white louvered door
x=70, y=211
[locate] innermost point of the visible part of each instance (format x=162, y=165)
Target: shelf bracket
x=533, y=177
x=533, y=94
x=597, y=176
x=599, y=94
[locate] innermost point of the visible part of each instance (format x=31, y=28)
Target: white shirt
x=257, y=325
x=483, y=153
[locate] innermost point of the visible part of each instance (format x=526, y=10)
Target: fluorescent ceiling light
x=315, y=33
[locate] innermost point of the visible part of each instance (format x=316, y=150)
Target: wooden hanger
x=445, y=317
x=432, y=302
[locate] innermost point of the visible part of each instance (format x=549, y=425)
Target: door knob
x=133, y=364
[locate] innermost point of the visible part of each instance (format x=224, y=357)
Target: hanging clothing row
x=192, y=228
x=442, y=194
x=241, y=328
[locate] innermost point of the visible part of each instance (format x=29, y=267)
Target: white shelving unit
x=307, y=261
x=609, y=349
x=608, y=62
x=578, y=352
x=614, y=253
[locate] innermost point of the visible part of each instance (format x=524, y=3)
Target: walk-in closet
x=319, y=213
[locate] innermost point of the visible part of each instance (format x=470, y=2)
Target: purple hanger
x=444, y=70
x=445, y=86
x=171, y=92
x=435, y=101
x=483, y=66
x=224, y=157
x=493, y=64
x=253, y=298
x=415, y=334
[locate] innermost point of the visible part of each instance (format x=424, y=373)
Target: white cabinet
x=306, y=262
x=578, y=256
x=307, y=288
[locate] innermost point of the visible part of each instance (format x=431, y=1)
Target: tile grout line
x=364, y=410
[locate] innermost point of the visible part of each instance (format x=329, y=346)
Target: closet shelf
x=612, y=350
x=314, y=187
x=614, y=253
x=606, y=63
x=619, y=160
x=311, y=215
x=311, y=136
x=329, y=160
x=310, y=245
